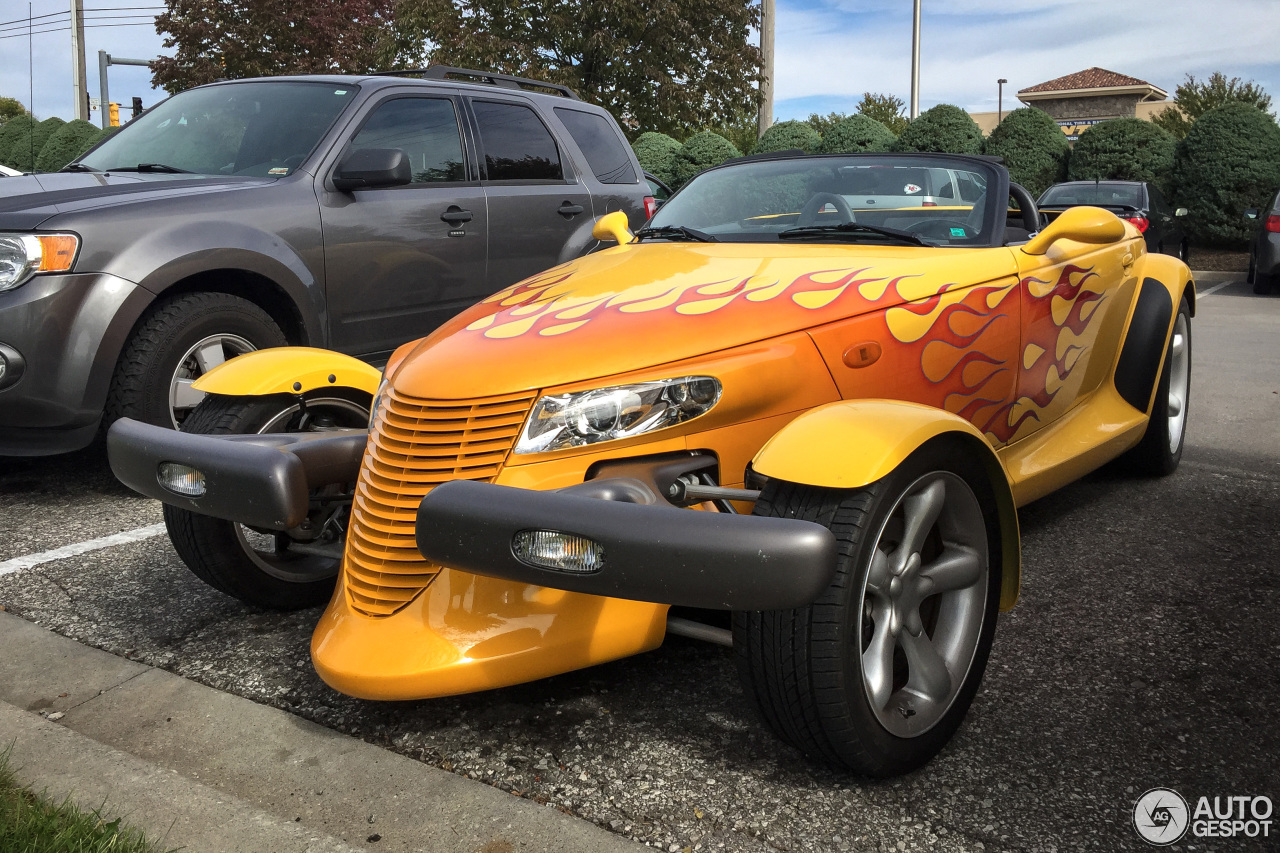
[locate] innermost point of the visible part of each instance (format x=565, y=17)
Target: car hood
x=28, y=201
x=643, y=305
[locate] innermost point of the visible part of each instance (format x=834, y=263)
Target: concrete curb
x=207, y=771
x=1213, y=276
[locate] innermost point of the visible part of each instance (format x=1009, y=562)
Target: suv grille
x=417, y=445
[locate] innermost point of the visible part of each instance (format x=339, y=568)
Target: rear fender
x=1164, y=283
x=851, y=444
x=288, y=370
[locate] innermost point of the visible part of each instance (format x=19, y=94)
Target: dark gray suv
x=353, y=213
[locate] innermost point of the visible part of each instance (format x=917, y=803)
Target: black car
x=351, y=213
x=1139, y=202
x=1264, y=248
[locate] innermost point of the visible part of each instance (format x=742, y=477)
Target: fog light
x=181, y=479
x=561, y=552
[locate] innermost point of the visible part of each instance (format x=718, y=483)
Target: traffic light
x=137, y=106
x=113, y=115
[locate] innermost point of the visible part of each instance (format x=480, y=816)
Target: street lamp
x=1000, y=99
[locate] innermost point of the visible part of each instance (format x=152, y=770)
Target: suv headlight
x=622, y=411
x=24, y=255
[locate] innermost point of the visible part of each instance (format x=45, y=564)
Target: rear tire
x=836, y=679
x=261, y=567
x=1160, y=450
x=182, y=338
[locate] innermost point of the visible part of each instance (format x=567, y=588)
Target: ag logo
x=1161, y=816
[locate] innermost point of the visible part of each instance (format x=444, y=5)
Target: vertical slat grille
x=416, y=445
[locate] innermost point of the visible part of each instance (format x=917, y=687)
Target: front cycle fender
x=288, y=370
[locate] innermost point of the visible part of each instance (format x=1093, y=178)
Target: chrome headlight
x=623, y=411
x=24, y=255
x=377, y=399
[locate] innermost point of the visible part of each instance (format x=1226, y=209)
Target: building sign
x=1073, y=127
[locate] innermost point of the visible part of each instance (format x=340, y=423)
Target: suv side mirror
x=1251, y=213
x=366, y=168
x=1082, y=224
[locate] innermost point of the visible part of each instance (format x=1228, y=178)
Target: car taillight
x=1273, y=224
x=928, y=204
x=1139, y=222
x=650, y=206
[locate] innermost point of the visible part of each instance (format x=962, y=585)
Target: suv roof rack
x=507, y=81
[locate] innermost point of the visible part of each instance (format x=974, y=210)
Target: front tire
x=266, y=568
x=877, y=674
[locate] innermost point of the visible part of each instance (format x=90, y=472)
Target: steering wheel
x=935, y=228
x=809, y=213
x=1027, y=206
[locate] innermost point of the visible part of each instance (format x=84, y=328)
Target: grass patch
x=30, y=823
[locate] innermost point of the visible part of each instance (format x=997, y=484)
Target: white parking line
x=1213, y=290
x=17, y=564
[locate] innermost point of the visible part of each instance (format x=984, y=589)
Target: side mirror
x=613, y=226
x=1182, y=211
x=1082, y=224
x=1251, y=213
x=366, y=168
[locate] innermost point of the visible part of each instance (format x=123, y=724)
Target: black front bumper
x=259, y=480
x=653, y=551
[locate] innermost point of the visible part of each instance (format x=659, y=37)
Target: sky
x=828, y=52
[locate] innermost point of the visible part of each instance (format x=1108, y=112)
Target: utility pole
x=79, y=85
x=1000, y=99
x=915, y=61
x=765, y=119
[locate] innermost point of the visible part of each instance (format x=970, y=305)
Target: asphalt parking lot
x=1143, y=654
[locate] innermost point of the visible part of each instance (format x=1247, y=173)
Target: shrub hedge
x=944, y=129
x=700, y=151
x=1034, y=148
x=9, y=133
x=1123, y=149
x=657, y=153
x=67, y=143
x=856, y=134
x=26, y=148
x=786, y=135
x=1228, y=161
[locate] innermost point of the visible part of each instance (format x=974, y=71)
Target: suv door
x=399, y=261
x=537, y=206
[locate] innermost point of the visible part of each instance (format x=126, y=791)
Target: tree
x=67, y=142
x=885, y=109
x=1034, y=148
x=1123, y=149
x=700, y=151
x=664, y=65
x=10, y=108
x=857, y=134
x=822, y=124
x=1228, y=162
x=943, y=128
x=657, y=154
x=786, y=135
x=1193, y=99
x=252, y=38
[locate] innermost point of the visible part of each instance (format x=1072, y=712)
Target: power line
x=64, y=29
x=23, y=21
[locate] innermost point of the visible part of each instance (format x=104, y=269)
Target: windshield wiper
x=676, y=232
x=77, y=167
x=151, y=167
x=817, y=232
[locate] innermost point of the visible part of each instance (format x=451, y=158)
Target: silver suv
x=352, y=213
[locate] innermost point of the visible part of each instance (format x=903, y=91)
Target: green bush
x=657, y=153
x=700, y=151
x=18, y=126
x=786, y=135
x=26, y=148
x=1034, y=148
x=1123, y=149
x=1229, y=161
x=856, y=134
x=67, y=143
x=945, y=129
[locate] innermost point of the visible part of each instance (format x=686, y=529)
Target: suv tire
x=171, y=346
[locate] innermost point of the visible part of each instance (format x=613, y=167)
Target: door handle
x=455, y=215
x=569, y=210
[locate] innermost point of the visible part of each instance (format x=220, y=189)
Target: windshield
x=900, y=199
x=256, y=129
x=1129, y=195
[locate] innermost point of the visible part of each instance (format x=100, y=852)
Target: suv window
x=426, y=129
x=517, y=145
x=605, y=152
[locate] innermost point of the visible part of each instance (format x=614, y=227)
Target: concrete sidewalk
x=202, y=770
